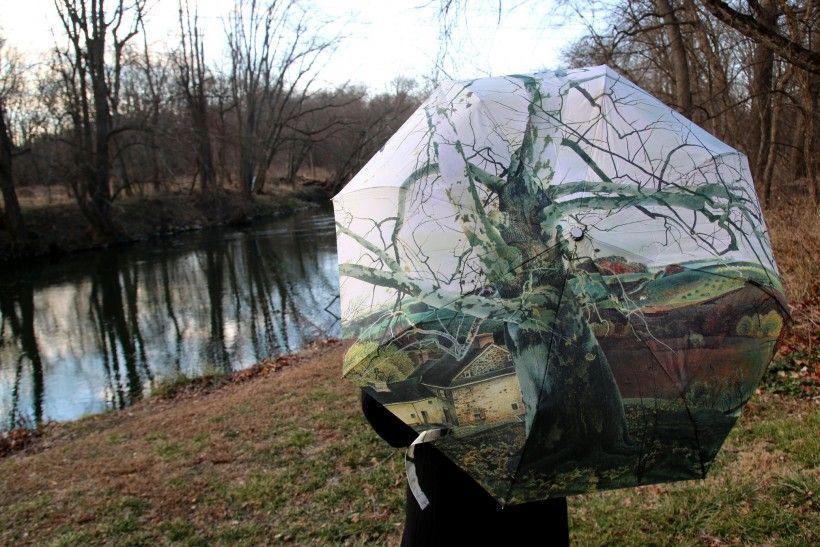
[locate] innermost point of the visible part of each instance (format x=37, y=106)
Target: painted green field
x=693, y=282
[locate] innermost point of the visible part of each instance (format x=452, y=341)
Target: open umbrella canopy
x=567, y=276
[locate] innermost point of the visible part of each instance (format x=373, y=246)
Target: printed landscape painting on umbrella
x=573, y=278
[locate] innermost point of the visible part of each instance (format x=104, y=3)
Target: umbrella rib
x=540, y=390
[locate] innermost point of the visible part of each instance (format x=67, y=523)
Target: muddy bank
x=60, y=229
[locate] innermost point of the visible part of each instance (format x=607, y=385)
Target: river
x=98, y=330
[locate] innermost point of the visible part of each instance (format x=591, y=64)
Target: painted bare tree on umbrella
x=503, y=176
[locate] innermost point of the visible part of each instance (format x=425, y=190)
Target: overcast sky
x=383, y=38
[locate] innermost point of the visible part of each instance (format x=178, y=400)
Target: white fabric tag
x=410, y=466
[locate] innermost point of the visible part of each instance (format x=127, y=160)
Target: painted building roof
x=401, y=392
x=479, y=364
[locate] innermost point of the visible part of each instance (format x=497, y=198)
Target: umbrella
x=561, y=282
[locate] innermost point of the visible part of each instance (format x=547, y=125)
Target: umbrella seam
x=540, y=390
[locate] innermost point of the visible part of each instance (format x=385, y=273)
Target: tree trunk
x=761, y=90
x=192, y=80
x=260, y=180
x=205, y=157
x=810, y=88
x=680, y=65
x=771, y=154
x=12, y=215
x=573, y=403
x=300, y=151
x=222, y=140
x=246, y=170
x=203, y=135
x=154, y=146
x=247, y=147
x=579, y=410
x=809, y=97
x=727, y=120
x=100, y=184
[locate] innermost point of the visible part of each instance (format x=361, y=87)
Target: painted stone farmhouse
x=480, y=389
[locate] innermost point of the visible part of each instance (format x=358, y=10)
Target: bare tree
x=90, y=67
x=192, y=79
x=760, y=89
x=792, y=51
x=10, y=87
x=370, y=121
x=680, y=64
x=155, y=78
x=803, y=24
x=274, y=61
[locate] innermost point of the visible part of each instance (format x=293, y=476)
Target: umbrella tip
x=576, y=233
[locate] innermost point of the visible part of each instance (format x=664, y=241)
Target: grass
x=177, y=384
x=763, y=489
x=287, y=457
x=793, y=230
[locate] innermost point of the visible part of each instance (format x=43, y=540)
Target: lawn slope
x=287, y=457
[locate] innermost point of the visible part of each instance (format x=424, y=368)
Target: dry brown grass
x=287, y=457
x=794, y=228
x=258, y=457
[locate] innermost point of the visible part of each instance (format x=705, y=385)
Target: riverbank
x=283, y=454
x=59, y=229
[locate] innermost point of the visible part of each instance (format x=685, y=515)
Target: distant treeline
x=110, y=117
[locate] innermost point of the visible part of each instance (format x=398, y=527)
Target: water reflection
x=94, y=331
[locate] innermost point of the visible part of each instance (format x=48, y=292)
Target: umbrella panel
x=683, y=370
x=590, y=366
x=683, y=374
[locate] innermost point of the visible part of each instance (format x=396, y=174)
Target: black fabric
x=388, y=426
x=460, y=509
